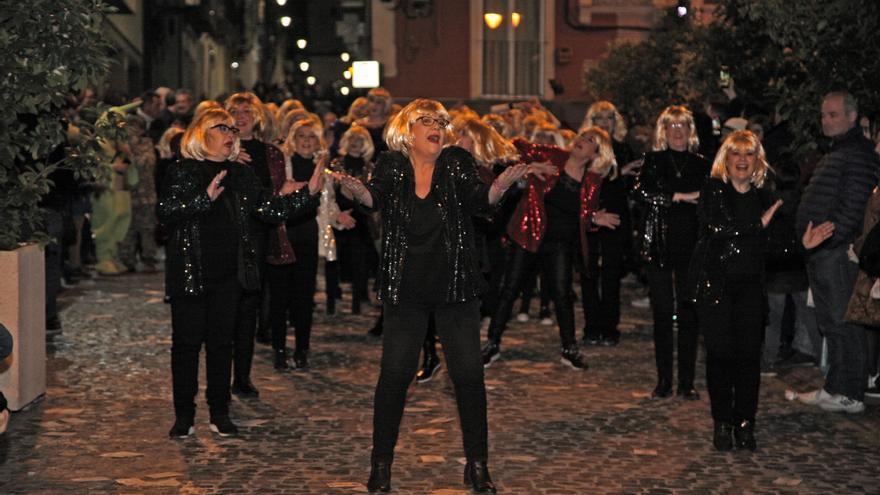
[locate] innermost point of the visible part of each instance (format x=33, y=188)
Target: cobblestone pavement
x=102, y=427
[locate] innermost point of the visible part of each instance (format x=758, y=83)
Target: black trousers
x=600, y=285
x=733, y=332
x=458, y=326
x=667, y=287
x=207, y=318
x=245, y=330
x=292, y=288
x=556, y=258
x=355, y=251
x=494, y=273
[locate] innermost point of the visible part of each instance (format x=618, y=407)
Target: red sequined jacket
x=529, y=221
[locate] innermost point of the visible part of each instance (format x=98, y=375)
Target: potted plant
x=49, y=49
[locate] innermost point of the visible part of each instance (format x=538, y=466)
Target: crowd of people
x=461, y=216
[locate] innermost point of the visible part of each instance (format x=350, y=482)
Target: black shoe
x=223, y=426
x=263, y=336
x=794, y=359
x=491, y=352
x=571, y=357
x=301, y=360
x=429, y=370
x=245, y=389
x=182, y=428
x=53, y=324
x=744, y=434
x=592, y=340
x=722, y=439
x=331, y=306
x=166, y=299
x=476, y=476
x=376, y=331
x=380, y=477
x=355, y=305
x=687, y=392
x=662, y=390
x=281, y=362
x=610, y=340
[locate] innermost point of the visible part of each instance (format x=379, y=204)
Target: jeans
x=832, y=278
x=667, y=286
x=556, y=260
x=207, y=318
x=806, y=335
x=458, y=326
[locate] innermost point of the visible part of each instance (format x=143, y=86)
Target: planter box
x=23, y=312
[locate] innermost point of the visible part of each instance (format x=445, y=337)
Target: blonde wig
x=619, y=132
x=164, y=144
x=291, y=118
x=311, y=123
x=287, y=106
x=499, y=124
x=489, y=145
x=361, y=132
x=194, y=142
x=529, y=123
x=383, y=96
x=256, y=108
x=604, y=164
x=675, y=114
x=398, y=132
x=204, y=106
x=547, y=129
x=748, y=142
x=269, y=128
x=568, y=136
x=357, y=110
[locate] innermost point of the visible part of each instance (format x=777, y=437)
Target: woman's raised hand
x=768, y=215
x=355, y=187
x=540, y=170
x=316, y=183
x=604, y=219
x=214, y=188
x=814, y=236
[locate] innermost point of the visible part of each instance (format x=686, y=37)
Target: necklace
x=679, y=168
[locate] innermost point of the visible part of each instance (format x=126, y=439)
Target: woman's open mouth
x=434, y=138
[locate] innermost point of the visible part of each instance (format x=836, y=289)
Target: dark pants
x=207, y=318
x=55, y=230
x=292, y=288
x=494, y=273
x=602, y=309
x=667, y=289
x=245, y=329
x=832, y=278
x=733, y=331
x=458, y=326
x=555, y=257
x=356, y=251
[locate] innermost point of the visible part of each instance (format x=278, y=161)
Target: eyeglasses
x=429, y=121
x=679, y=125
x=225, y=129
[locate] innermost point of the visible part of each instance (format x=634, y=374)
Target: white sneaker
x=842, y=403
x=815, y=398
x=642, y=303
x=522, y=317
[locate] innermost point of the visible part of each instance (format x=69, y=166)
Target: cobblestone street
x=102, y=426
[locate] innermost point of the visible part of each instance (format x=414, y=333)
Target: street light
x=345, y=56
x=515, y=18
x=301, y=43
x=234, y=65
x=311, y=80
x=346, y=74
x=304, y=66
x=493, y=19
x=285, y=21
x=344, y=90
x=281, y=2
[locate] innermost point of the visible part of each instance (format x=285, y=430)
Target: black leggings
x=555, y=257
x=667, y=287
x=602, y=309
x=292, y=288
x=458, y=326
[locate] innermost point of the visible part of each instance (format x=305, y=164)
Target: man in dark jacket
x=835, y=199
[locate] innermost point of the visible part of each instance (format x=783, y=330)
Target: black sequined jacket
x=721, y=235
x=653, y=191
x=184, y=197
x=460, y=194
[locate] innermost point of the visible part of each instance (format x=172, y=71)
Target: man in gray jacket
x=829, y=219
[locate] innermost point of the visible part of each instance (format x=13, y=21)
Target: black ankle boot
x=430, y=367
x=662, y=390
x=380, y=477
x=281, y=362
x=331, y=305
x=722, y=439
x=476, y=476
x=744, y=434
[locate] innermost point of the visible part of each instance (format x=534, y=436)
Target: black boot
x=355, y=305
x=722, y=439
x=430, y=366
x=476, y=476
x=331, y=305
x=244, y=388
x=744, y=434
x=662, y=390
x=281, y=362
x=376, y=331
x=380, y=477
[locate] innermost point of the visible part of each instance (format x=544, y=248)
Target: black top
x=219, y=246
x=748, y=259
x=424, y=276
x=378, y=140
x=687, y=176
x=562, y=205
x=303, y=168
x=257, y=150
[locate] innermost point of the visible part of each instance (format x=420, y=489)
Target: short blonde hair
x=311, y=123
x=376, y=94
x=744, y=141
x=204, y=106
x=269, y=131
x=291, y=118
x=489, y=145
x=164, y=144
x=619, y=132
x=679, y=114
x=254, y=102
x=357, y=110
x=605, y=164
x=194, y=142
x=398, y=131
x=361, y=132
x=548, y=128
x=499, y=124
x=288, y=105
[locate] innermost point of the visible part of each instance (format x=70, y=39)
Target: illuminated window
x=513, y=56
